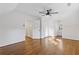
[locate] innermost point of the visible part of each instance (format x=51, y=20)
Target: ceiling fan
x=47, y=12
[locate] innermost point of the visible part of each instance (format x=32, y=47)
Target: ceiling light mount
x=68, y=4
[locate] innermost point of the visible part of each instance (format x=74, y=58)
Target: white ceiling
x=34, y=8
x=7, y=7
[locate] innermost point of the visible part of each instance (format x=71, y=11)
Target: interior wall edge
x=42, y=37
x=11, y=43
x=70, y=38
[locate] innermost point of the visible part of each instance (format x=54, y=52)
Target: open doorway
x=42, y=37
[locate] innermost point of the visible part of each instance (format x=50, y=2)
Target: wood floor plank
x=46, y=46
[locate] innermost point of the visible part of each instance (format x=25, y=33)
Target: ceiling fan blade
x=54, y=13
x=43, y=15
x=45, y=9
x=50, y=15
x=42, y=12
x=50, y=9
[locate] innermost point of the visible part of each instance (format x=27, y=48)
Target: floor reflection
x=46, y=46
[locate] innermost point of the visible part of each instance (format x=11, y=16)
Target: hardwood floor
x=71, y=47
x=46, y=46
x=13, y=49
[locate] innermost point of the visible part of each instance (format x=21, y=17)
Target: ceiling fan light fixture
x=47, y=12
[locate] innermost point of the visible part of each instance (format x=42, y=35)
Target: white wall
x=47, y=27
x=10, y=36
x=11, y=28
x=28, y=26
x=69, y=17
x=36, y=28
x=32, y=26
x=71, y=24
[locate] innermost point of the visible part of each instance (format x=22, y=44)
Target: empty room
x=39, y=28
